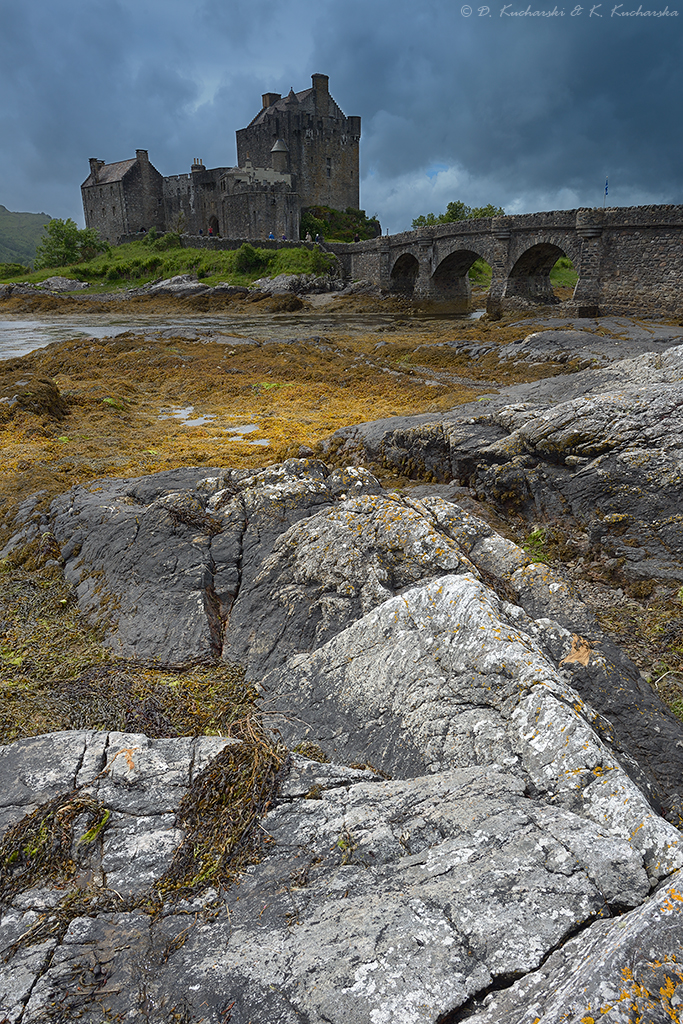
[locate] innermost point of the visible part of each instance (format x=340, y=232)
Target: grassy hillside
x=19, y=235
x=151, y=258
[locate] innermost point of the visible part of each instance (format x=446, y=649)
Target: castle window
x=113, y=211
x=329, y=167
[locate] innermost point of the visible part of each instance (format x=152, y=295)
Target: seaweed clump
x=44, y=844
x=220, y=816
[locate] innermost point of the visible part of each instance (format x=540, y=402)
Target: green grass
x=140, y=262
x=480, y=274
x=563, y=274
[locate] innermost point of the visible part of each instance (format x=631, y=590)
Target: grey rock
x=141, y=781
x=329, y=569
x=617, y=971
x=443, y=676
x=404, y=636
x=563, y=346
x=300, y=284
x=375, y=901
x=264, y=567
x=158, y=560
x=62, y=284
x=599, y=448
x=222, y=288
x=182, y=285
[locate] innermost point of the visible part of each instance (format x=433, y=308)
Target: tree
x=63, y=244
x=458, y=211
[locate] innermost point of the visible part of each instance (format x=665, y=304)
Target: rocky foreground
x=487, y=824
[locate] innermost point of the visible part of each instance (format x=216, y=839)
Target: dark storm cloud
x=522, y=110
x=528, y=113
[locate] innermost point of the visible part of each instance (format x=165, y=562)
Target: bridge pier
x=586, y=295
x=424, y=285
x=501, y=232
x=384, y=280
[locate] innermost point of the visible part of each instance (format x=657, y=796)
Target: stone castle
x=299, y=151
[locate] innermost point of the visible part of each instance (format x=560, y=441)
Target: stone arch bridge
x=628, y=259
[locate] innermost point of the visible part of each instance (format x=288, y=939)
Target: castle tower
x=321, y=144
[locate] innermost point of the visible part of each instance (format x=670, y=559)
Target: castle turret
x=279, y=156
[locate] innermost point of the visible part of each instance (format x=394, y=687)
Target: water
x=19, y=335
x=184, y=413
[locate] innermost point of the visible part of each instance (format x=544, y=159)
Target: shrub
x=250, y=260
x=171, y=240
x=63, y=244
x=341, y=225
x=13, y=269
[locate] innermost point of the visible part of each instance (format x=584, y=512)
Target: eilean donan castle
x=299, y=151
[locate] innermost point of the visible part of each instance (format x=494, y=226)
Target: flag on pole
x=606, y=181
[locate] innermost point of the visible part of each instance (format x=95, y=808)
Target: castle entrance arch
x=404, y=274
x=451, y=278
x=213, y=225
x=529, y=277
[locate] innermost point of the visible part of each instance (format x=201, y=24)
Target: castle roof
x=306, y=99
x=109, y=173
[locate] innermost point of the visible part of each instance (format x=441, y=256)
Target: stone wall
x=641, y=257
x=255, y=211
x=208, y=242
x=104, y=209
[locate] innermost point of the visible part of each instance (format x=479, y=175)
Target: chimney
x=95, y=166
x=322, y=93
x=142, y=156
x=269, y=98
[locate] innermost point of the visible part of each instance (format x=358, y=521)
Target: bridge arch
x=529, y=276
x=404, y=273
x=450, y=279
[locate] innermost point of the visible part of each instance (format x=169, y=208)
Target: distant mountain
x=20, y=234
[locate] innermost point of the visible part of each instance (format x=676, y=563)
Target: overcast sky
x=528, y=113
